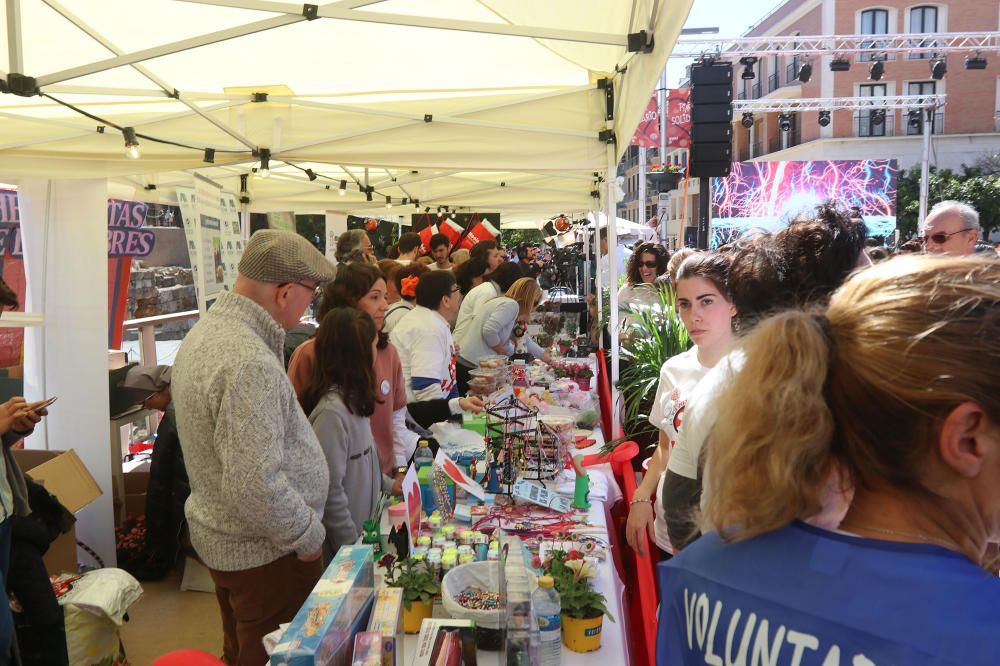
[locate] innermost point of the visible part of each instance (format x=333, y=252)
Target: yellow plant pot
x=415, y=615
x=582, y=635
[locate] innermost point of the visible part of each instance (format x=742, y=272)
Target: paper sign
x=537, y=494
x=411, y=497
x=458, y=475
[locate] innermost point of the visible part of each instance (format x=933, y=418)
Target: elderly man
x=951, y=227
x=257, y=495
x=354, y=245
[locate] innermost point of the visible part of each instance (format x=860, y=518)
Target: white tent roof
x=468, y=93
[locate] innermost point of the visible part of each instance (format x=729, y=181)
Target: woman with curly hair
x=648, y=261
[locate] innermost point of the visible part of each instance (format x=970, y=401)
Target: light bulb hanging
x=132, y=148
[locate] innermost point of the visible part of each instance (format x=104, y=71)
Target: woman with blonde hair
x=493, y=327
x=894, y=387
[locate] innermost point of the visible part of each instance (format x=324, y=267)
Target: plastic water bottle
x=547, y=608
x=422, y=456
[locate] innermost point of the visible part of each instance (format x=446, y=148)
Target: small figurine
x=581, y=491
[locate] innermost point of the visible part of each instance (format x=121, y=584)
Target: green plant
x=572, y=575
x=417, y=578
x=661, y=335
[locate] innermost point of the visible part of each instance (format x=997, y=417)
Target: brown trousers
x=255, y=601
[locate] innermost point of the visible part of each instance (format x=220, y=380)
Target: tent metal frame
x=829, y=45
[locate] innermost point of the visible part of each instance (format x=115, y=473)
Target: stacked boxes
x=387, y=622
x=322, y=632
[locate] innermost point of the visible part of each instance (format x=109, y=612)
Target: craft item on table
x=336, y=609
x=387, y=623
x=435, y=521
x=397, y=514
x=539, y=495
x=444, y=492
x=429, y=495
x=398, y=541
x=445, y=641
x=371, y=532
x=367, y=649
x=467, y=537
x=411, y=498
x=448, y=560
x=463, y=512
x=493, y=553
x=419, y=553
x=583, y=442
x=581, y=492
x=482, y=552
x=424, y=541
x=518, y=446
x=458, y=475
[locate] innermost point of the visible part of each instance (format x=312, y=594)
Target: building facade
x=965, y=129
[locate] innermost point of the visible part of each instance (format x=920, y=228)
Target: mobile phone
x=45, y=403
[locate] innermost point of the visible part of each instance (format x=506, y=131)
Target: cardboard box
x=322, y=632
x=64, y=475
x=387, y=622
x=136, y=484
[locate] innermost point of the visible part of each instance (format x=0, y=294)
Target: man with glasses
x=951, y=227
x=257, y=495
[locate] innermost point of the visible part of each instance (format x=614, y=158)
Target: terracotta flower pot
x=583, y=383
x=582, y=635
x=414, y=616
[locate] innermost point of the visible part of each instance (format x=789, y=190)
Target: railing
x=741, y=95
x=922, y=43
x=792, y=73
x=147, y=332
x=772, y=83
x=757, y=149
x=937, y=124
x=864, y=127
x=755, y=91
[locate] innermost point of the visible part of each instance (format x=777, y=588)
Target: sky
x=732, y=21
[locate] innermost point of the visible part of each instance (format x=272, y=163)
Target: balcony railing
x=937, y=125
x=866, y=126
x=772, y=83
x=792, y=73
x=755, y=91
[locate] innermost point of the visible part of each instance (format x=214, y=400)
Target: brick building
x=966, y=128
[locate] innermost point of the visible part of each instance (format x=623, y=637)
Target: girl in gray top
x=340, y=399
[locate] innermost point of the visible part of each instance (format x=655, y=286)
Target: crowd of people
x=825, y=480
x=828, y=458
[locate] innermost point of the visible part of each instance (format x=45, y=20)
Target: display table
x=613, y=647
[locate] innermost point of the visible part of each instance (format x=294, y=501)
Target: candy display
x=475, y=598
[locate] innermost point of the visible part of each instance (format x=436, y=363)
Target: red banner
x=679, y=118
x=647, y=134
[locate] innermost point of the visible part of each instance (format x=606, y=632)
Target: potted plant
x=420, y=584
x=583, y=608
x=583, y=376
x=565, y=344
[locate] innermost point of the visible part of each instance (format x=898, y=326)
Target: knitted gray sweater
x=257, y=472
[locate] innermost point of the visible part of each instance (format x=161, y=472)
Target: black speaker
x=711, y=119
x=690, y=236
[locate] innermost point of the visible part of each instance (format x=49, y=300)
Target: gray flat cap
x=148, y=377
x=284, y=256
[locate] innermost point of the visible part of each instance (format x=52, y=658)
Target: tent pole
x=609, y=205
x=928, y=114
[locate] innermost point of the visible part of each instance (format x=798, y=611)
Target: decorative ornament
x=371, y=224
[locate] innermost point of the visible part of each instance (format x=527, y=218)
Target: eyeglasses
x=648, y=264
x=316, y=290
x=940, y=237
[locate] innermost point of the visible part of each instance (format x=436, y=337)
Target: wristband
x=641, y=501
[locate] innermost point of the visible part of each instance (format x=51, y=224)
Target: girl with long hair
x=648, y=261
x=708, y=317
x=340, y=400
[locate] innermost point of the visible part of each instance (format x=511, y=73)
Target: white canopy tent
x=506, y=105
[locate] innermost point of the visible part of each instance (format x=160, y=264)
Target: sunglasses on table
x=940, y=237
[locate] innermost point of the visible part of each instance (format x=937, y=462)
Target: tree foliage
x=978, y=186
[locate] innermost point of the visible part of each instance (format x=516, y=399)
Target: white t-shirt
x=426, y=350
x=701, y=414
x=467, y=312
x=678, y=378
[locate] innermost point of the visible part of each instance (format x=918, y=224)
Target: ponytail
x=770, y=452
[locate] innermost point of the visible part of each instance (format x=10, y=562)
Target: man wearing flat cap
x=257, y=495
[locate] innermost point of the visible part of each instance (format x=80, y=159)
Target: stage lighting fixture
x=840, y=65
x=975, y=62
x=388, y=202
x=748, y=62
x=264, y=170
x=876, y=71
x=805, y=71
x=747, y=119
x=824, y=118
x=878, y=117
x=311, y=174
x=785, y=122
x=938, y=68
x=132, y=148
x=343, y=188
x=913, y=118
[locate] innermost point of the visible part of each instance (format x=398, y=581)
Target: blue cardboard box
x=322, y=632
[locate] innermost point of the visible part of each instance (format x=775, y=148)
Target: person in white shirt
x=493, y=326
x=494, y=284
x=648, y=261
x=409, y=247
x=708, y=317
x=423, y=338
x=440, y=249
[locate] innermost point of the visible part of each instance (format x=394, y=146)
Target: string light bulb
x=388, y=202
x=343, y=188
x=132, y=148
